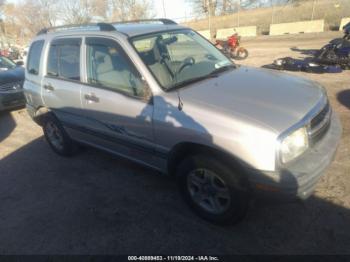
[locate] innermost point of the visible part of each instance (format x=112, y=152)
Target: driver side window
x=108, y=67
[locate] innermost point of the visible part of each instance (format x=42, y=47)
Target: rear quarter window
x=33, y=64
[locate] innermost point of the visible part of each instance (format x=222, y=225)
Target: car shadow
x=96, y=203
x=7, y=124
x=344, y=98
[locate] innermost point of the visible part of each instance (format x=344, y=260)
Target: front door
x=116, y=103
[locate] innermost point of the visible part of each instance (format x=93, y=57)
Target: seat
x=112, y=71
x=162, y=74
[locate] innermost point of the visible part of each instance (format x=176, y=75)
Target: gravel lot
x=96, y=203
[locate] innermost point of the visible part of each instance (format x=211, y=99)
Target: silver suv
x=163, y=96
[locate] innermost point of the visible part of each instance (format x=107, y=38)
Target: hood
x=275, y=99
x=12, y=75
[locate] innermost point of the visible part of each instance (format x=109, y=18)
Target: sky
x=174, y=9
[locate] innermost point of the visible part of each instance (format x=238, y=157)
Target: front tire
x=214, y=190
x=57, y=137
x=241, y=54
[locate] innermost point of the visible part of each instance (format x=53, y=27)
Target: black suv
x=11, y=83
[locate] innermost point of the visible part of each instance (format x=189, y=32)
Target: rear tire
x=215, y=191
x=57, y=137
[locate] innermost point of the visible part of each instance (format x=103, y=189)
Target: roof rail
x=102, y=27
x=105, y=26
x=165, y=21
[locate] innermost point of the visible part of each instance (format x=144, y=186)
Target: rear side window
x=33, y=64
x=64, y=59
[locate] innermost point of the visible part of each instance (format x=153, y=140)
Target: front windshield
x=179, y=57
x=6, y=63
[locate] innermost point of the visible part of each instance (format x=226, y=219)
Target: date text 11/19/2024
x=173, y=258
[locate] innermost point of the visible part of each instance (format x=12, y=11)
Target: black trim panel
x=116, y=140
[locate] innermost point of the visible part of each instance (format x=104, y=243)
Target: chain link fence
x=332, y=11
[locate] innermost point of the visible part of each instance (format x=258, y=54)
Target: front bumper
x=10, y=100
x=298, y=180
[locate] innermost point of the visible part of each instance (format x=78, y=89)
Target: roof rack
x=165, y=21
x=102, y=27
x=105, y=26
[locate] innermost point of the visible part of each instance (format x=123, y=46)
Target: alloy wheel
x=208, y=191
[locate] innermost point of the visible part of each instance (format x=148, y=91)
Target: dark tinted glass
x=6, y=63
x=34, y=57
x=69, y=62
x=52, y=63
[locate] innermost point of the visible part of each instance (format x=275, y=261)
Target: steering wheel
x=189, y=61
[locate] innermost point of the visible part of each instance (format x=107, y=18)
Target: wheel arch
x=185, y=149
x=40, y=113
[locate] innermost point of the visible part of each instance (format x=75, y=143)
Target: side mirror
x=20, y=63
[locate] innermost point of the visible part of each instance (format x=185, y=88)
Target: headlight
x=294, y=145
x=17, y=86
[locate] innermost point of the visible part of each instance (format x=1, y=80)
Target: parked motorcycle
x=232, y=47
x=346, y=30
x=337, y=52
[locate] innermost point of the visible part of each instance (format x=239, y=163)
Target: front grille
x=320, y=117
x=13, y=99
x=8, y=87
x=319, y=125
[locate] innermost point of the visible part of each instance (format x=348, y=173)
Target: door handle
x=92, y=98
x=49, y=87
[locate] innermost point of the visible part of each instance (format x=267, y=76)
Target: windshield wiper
x=212, y=74
x=190, y=81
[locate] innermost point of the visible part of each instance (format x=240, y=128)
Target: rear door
x=117, y=104
x=34, y=72
x=62, y=80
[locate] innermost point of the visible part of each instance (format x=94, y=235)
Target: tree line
x=24, y=19
x=224, y=7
